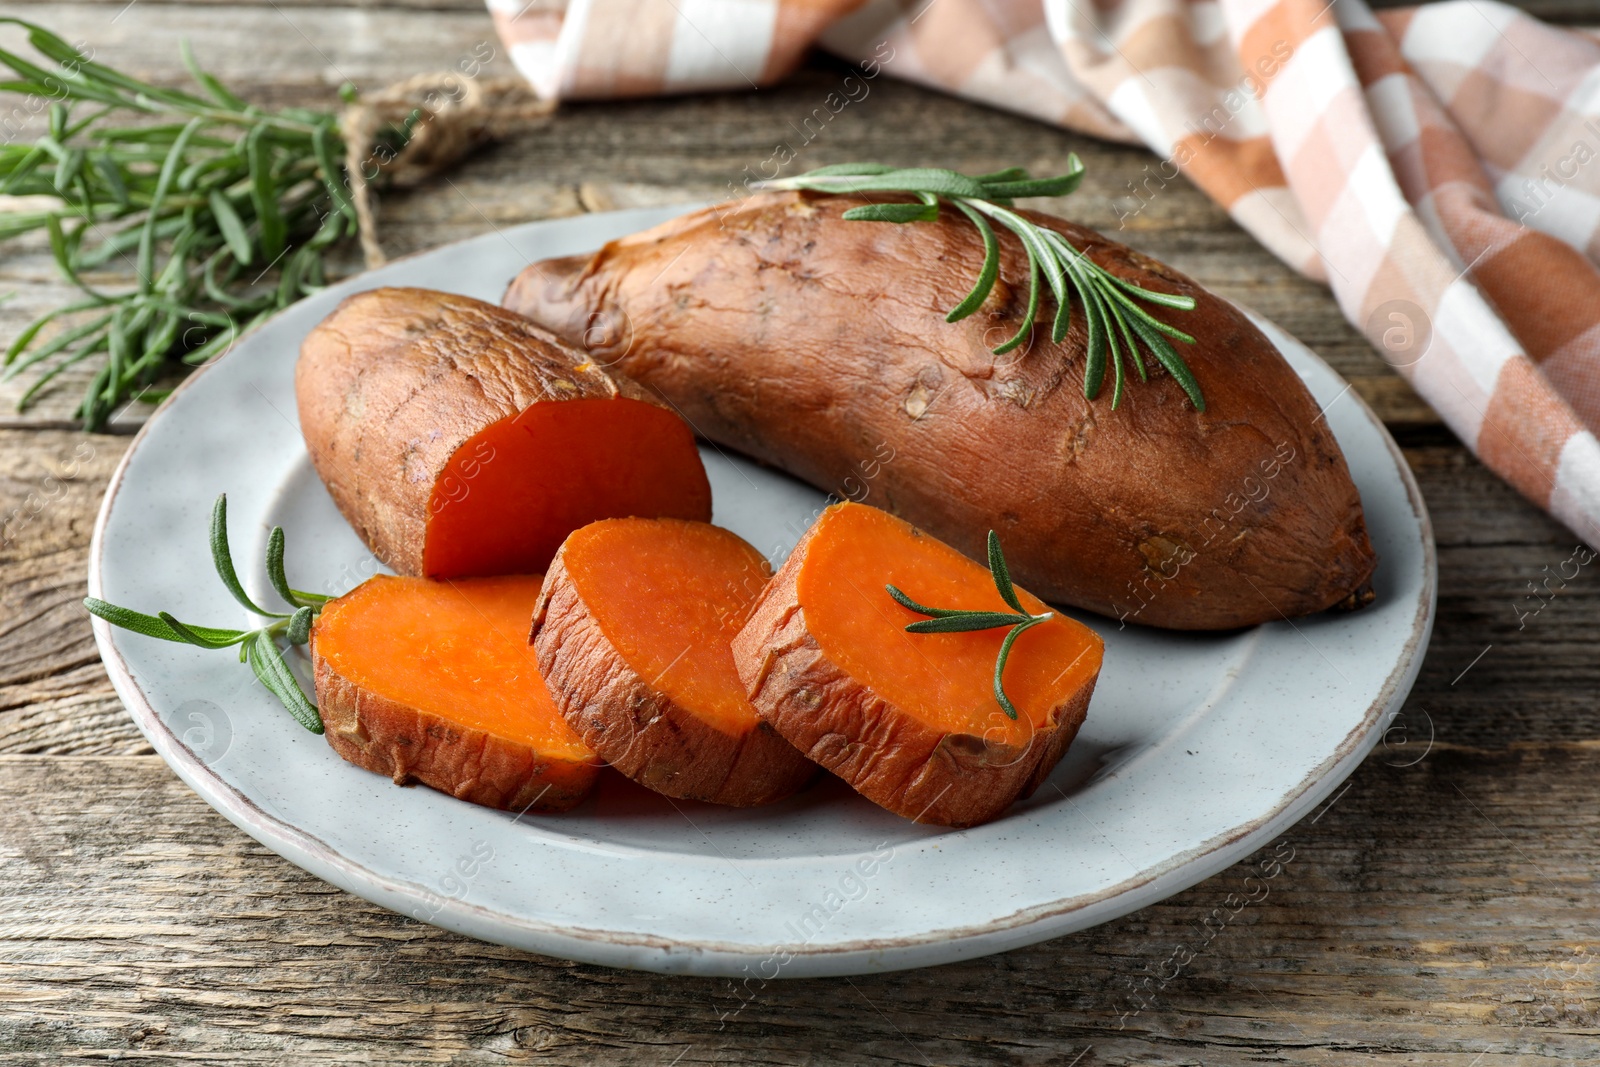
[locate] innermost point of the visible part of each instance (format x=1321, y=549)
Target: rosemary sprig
x=957, y=620
x=225, y=213
x=1117, y=323
x=258, y=647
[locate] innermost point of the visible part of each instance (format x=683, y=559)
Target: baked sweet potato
x=459, y=439
x=910, y=720
x=632, y=630
x=434, y=682
x=819, y=345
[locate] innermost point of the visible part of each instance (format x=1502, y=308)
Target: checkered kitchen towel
x=1436, y=166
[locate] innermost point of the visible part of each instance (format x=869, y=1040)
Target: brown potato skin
x=642, y=732
x=395, y=380
x=819, y=345
x=888, y=756
x=407, y=744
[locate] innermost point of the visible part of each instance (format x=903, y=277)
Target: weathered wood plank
x=310, y=50
x=1439, y=913
x=54, y=694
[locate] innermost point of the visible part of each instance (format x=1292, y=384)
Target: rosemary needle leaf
x=222, y=558
x=908, y=180
x=193, y=636
x=322, y=141
x=1002, y=573
x=1010, y=174
x=25, y=338
x=921, y=609
x=275, y=574
x=1094, y=369
x=128, y=619
x=151, y=626
x=964, y=622
x=1168, y=357
x=1062, y=322
x=1127, y=339
x=1116, y=361
x=58, y=245
x=1027, y=316
x=989, y=272
x=299, y=629
x=268, y=664
x=218, y=93
x=893, y=213
x=1171, y=300
x=56, y=344
x=263, y=193
x=232, y=227
x=1033, y=187
x=1000, y=664
x=850, y=169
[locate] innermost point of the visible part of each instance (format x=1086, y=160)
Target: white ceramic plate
x=1198, y=749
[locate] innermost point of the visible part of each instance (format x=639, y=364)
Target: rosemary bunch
x=258, y=647
x=1117, y=322
x=962, y=620
x=223, y=211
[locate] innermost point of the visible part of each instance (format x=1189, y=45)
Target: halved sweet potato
x=459, y=439
x=434, y=682
x=632, y=633
x=910, y=720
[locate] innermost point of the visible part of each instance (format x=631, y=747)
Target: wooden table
x=1442, y=910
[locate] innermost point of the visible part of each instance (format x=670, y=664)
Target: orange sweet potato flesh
x=632, y=631
x=910, y=720
x=459, y=439
x=819, y=345
x=434, y=682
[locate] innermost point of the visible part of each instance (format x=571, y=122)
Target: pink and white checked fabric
x=1436, y=166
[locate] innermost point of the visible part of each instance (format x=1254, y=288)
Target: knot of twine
x=447, y=116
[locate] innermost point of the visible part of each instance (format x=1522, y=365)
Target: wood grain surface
x=1442, y=910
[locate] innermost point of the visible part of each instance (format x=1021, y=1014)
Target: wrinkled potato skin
x=819, y=346
x=395, y=380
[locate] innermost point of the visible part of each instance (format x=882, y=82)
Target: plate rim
x=707, y=956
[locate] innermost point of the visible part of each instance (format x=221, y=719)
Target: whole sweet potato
x=819, y=345
x=460, y=439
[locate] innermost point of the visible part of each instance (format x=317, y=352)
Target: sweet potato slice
x=459, y=439
x=910, y=720
x=434, y=682
x=632, y=633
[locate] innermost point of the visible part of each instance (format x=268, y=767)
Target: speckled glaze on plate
x=1198, y=750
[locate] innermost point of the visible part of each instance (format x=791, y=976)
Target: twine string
x=449, y=117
